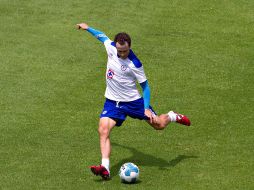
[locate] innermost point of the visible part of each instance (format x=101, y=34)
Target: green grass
x=198, y=56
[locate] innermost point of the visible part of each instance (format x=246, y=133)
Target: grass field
x=199, y=60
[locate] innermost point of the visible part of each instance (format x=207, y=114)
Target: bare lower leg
x=105, y=127
x=105, y=147
x=160, y=122
x=105, y=152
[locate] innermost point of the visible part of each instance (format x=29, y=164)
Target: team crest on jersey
x=110, y=74
x=123, y=67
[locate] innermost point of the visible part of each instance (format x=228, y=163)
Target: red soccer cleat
x=100, y=170
x=182, y=119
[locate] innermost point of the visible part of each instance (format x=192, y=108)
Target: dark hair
x=123, y=37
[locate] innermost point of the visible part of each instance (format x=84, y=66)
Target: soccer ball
x=129, y=173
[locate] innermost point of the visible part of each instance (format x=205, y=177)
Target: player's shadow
x=143, y=159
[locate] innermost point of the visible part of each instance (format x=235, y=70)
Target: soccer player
x=122, y=96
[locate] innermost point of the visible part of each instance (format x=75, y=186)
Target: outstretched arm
x=96, y=33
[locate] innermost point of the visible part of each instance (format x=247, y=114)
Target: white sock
x=172, y=116
x=105, y=163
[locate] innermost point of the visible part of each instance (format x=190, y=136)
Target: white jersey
x=122, y=74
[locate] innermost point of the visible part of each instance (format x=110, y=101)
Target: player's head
x=123, y=44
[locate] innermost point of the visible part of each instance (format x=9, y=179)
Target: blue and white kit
x=122, y=96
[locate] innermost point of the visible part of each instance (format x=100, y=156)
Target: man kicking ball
x=123, y=99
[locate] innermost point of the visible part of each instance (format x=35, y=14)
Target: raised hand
x=82, y=26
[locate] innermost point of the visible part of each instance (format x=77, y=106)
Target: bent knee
x=103, y=130
x=159, y=126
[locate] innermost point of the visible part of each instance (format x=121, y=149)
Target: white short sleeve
x=140, y=74
x=109, y=45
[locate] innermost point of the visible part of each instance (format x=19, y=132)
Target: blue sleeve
x=98, y=34
x=146, y=94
